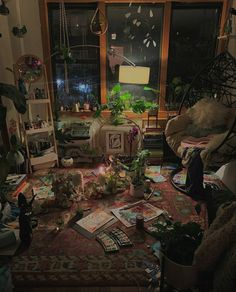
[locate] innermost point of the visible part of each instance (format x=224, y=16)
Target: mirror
x=29, y=68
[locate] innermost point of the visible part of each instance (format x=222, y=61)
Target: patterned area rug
x=66, y=258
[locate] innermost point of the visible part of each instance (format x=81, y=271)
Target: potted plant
x=137, y=170
x=15, y=156
x=118, y=101
x=178, y=244
x=176, y=89
x=18, y=98
x=64, y=189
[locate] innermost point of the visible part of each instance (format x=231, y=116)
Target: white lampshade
x=134, y=74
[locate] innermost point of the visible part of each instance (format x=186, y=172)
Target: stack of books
x=153, y=141
x=14, y=184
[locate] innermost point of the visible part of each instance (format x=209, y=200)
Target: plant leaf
x=11, y=92
x=116, y=89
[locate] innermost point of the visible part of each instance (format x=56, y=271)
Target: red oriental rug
x=67, y=258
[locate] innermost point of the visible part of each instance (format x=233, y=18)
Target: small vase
x=67, y=161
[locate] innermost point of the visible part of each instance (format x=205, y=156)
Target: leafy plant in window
x=64, y=53
x=176, y=89
x=118, y=101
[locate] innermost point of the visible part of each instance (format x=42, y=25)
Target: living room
x=117, y=144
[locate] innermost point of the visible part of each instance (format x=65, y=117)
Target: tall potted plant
x=178, y=244
x=18, y=98
x=137, y=170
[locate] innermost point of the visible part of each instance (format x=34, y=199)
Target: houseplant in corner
x=137, y=170
x=178, y=245
x=18, y=98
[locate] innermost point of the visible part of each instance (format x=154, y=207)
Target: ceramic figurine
x=25, y=224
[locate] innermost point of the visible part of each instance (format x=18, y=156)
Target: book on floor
x=94, y=223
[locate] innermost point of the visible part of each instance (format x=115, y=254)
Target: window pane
x=81, y=76
x=134, y=32
x=193, y=39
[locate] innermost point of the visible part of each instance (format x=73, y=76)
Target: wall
x=228, y=172
x=22, y=12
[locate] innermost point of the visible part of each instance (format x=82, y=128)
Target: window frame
x=163, y=113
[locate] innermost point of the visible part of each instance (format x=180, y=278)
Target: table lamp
x=131, y=73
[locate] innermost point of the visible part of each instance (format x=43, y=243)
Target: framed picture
x=114, y=142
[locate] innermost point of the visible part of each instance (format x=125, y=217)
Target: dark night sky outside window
x=193, y=40
x=84, y=73
x=129, y=27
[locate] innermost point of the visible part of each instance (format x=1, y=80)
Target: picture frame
x=114, y=142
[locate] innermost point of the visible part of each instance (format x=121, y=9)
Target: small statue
x=25, y=223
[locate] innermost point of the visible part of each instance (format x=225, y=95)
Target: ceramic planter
x=137, y=191
x=179, y=276
x=86, y=106
x=67, y=161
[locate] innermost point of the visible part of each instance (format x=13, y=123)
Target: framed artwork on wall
x=114, y=142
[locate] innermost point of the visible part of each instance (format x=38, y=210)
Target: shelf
x=43, y=159
x=37, y=101
x=80, y=114
x=37, y=131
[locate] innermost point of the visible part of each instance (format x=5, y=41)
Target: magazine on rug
x=127, y=214
x=153, y=172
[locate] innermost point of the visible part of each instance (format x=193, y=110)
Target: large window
x=78, y=79
x=174, y=38
x=134, y=33
x=193, y=37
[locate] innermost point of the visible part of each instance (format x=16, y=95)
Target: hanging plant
x=65, y=54
x=99, y=23
x=19, y=32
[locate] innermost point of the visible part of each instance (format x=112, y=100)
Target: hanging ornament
x=139, y=9
x=99, y=23
x=150, y=13
x=127, y=15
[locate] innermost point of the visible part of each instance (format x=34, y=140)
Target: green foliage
x=176, y=90
x=65, y=54
x=11, y=92
x=138, y=166
x=179, y=241
x=118, y=101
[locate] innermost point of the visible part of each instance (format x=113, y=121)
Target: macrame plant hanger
x=98, y=24
x=64, y=45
